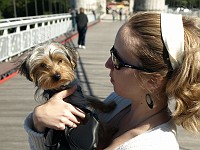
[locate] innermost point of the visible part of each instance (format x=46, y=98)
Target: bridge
x=16, y=93
x=18, y=35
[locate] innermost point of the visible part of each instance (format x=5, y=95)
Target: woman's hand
x=56, y=113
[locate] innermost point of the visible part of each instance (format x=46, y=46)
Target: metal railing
x=19, y=34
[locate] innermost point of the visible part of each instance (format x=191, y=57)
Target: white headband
x=173, y=36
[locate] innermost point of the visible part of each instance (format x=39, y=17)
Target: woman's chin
x=111, y=80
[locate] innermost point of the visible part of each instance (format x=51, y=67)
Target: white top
x=162, y=137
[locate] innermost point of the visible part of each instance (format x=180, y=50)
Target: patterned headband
x=173, y=36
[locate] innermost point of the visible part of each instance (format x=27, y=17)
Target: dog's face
x=50, y=66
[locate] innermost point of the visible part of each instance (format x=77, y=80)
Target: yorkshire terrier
x=51, y=67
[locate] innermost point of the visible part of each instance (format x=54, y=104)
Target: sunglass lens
x=115, y=61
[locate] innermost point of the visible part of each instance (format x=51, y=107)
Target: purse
x=83, y=137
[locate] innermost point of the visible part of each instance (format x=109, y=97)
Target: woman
x=155, y=58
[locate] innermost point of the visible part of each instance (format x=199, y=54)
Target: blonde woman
x=155, y=58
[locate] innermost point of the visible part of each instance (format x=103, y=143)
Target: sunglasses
x=119, y=63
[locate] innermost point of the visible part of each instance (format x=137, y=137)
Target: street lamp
x=26, y=7
x=43, y=7
x=50, y=6
x=36, y=11
x=14, y=7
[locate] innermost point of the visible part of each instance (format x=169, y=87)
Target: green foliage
x=183, y=3
x=5, y=3
x=27, y=7
x=1, y=15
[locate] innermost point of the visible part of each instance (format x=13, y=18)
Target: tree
x=28, y=7
x=6, y=7
x=183, y=3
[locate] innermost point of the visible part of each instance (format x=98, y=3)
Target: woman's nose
x=109, y=63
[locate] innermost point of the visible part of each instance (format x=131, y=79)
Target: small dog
x=51, y=67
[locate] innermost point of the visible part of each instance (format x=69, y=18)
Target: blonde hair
x=183, y=83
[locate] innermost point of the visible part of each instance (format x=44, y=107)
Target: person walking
x=120, y=14
x=114, y=15
x=126, y=14
x=82, y=21
x=73, y=14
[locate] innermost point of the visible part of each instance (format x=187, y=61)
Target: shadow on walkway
x=81, y=66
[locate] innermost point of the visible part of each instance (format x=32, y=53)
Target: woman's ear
x=155, y=81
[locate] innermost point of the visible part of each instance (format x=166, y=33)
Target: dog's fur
x=51, y=67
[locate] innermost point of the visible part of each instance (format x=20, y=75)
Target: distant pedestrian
x=73, y=14
x=82, y=21
x=94, y=13
x=126, y=14
x=114, y=14
x=120, y=14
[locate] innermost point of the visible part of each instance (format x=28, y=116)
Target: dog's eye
x=60, y=61
x=43, y=65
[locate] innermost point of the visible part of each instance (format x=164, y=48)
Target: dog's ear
x=73, y=56
x=24, y=68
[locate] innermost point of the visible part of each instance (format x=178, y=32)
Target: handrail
x=30, y=17
x=20, y=34
x=31, y=21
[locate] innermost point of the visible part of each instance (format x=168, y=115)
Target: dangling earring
x=149, y=101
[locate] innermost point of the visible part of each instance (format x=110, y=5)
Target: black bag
x=83, y=137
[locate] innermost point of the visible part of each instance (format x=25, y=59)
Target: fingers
x=57, y=114
x=74, y=110
x=66, y=122
x=71, y=117
x=77, y=112
x=72, y=113
x=68, y=115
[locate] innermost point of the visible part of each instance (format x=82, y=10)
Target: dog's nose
x=57, y=77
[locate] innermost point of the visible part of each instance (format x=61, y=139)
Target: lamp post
x=43, y=7
x=55, y=6
x=14, y=7
x=26, y=7
x=36, y=11
x=50, y=6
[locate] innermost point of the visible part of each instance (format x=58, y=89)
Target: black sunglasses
x=118, y=62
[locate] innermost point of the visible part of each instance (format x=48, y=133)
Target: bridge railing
x=19, y=34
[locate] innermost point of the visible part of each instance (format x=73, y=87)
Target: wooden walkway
x=16, y=94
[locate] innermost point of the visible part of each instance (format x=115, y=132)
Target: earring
x=149, y=101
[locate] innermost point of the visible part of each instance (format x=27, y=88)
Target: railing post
x=44, y=28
